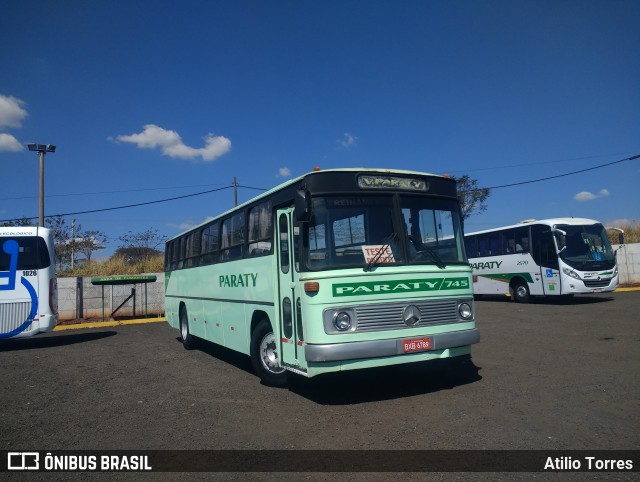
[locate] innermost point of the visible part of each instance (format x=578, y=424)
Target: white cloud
x=170, y=143
x=8, y=143
x=348, y=141
x=284, y=172
x=589, y=196
x=12, y=112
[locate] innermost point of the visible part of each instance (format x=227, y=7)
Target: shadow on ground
x=52, y=341
x=385, y=383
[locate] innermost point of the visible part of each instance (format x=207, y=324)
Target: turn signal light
x=311, y=287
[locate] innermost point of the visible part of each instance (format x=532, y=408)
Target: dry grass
x=631, y=234
x=117, y=266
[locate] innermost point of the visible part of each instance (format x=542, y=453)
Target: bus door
x=290, y=327
x=545, y=254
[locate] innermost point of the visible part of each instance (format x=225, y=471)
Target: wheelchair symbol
x=11, y=248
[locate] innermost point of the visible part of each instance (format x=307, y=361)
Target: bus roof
x=546, y=222
x=298, y=179
x=24, y=231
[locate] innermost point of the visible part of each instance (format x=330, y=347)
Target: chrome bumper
x=382, y=348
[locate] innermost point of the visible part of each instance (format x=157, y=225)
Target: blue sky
x=151, y=100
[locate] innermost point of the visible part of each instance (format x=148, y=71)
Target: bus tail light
x=311, y=287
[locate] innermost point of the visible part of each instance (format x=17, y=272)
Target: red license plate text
x=416, y=344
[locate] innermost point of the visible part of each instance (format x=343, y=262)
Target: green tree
x=62, y=240
x=89, y=242
x=472, y=198
x=141, y=246
x=19, y=222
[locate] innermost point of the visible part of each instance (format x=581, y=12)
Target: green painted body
x=225, y=301
x=222, y=312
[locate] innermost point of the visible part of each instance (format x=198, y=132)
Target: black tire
x=520, y=292
x=264, y=356
x=188, y=340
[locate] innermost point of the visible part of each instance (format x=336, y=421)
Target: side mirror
x=561, y=239
x=620, y=234
x=302, y=205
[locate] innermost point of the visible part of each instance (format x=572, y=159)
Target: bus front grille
x=388, y=316
x=597, y=283
x=12, y=315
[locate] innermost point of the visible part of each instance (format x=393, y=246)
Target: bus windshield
x=352, y=231
x=585, y=247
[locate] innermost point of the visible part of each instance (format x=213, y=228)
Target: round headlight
x=342, y=321
x=465, y=311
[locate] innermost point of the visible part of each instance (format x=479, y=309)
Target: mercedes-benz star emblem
x=411, y=315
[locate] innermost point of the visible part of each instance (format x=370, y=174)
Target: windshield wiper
x=422, y=248
x=386, y=243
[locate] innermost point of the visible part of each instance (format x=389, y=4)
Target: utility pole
x=41, y=149
x=73, y=241
x=235, y=191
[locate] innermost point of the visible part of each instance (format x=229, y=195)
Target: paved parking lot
x=544, y=376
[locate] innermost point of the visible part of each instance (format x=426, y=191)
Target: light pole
x=41, y=149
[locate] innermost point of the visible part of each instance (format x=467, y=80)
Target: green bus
x=338, y=269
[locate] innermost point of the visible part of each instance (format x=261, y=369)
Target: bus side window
x=522, y=240
x=209, y=244
x=167, y=256
x=508, y=238
x=260, y=229
x=232, y=237
x=188, y=262
x=494, y=243
x=283, y=232
x=470, y=246
x=180, y=254
x=174, y=253
x=484, y=247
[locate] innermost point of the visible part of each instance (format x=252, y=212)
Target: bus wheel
x=188, y=340
x=520, y=292
x=264, y=356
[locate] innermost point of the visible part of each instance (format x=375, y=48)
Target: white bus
x=28, y=287
x=550, y=257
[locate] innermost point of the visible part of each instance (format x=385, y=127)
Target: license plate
x=416, y=344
